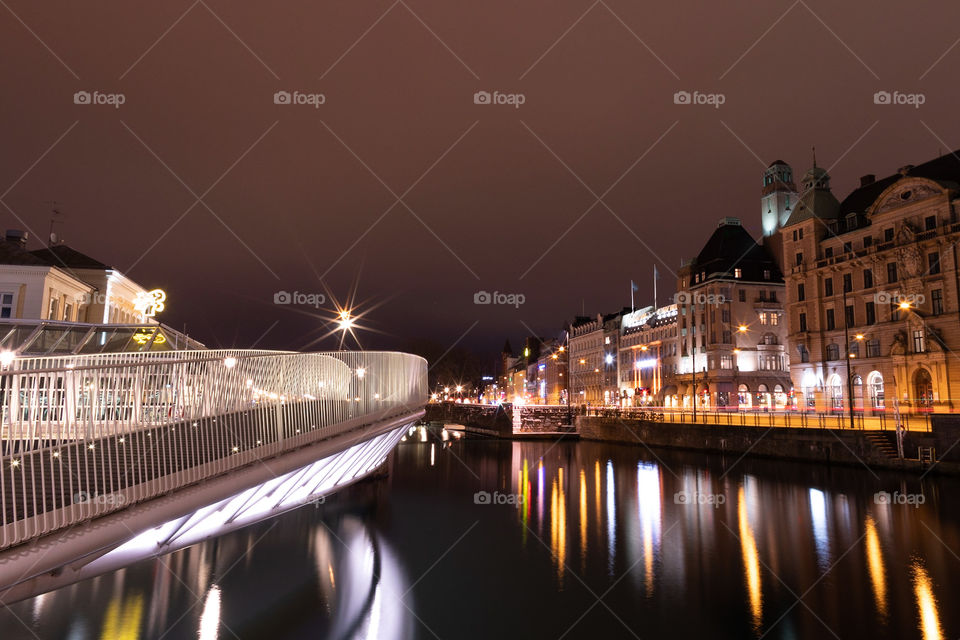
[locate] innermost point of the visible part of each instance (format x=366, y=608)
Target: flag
x=634, y=287
x=656, y=274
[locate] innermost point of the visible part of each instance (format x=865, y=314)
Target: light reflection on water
x=728, y=564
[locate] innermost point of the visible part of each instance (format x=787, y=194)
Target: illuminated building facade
x=872, y=290
x=731, y=324
x=648, y=354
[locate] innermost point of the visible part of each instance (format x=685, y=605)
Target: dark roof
x=731, y=246
x=13, y=253
x=61, y=255
x=944, y=170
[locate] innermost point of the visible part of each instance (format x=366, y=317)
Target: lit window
x=737, y=273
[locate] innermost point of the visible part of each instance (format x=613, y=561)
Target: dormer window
x=738, y=273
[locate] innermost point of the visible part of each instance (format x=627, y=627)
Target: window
x=828, y=252
x=848, y=316
x=799, y=259
x=54, y=308
x=871, y=312
x=726, y=336
x=773, y=296
x=774, y=319
x=888, y=235
x=769, y=338
x=833, y=352
x=801, y=294
x=763, y=317
x=919, y=344
x=854, y=349
x=831, y=321
x=867, y=241
x=763, y=295
x=873, y=348
x=6, y=305
x=725, y=315
x=828, y=287
x=794, y=235
x=933, y=262
x=803, y=322
x=743, y=295
x=847, y=282
x=766, y=274
x=67, y=312
x=801, y=234
x=891, y=272
x=867, y=278
x=930, y=223
x=726, y=362
x=737, y=273
x=936, y=302
x=894, y=311
x=804, y=354
x=847, y=247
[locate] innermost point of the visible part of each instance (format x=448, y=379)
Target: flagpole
x=654, y=286
x=632, y=308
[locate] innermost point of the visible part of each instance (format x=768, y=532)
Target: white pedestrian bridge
x=111, y=458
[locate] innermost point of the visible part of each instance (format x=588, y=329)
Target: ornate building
x=872, y=290
x=731, y=327
x=648, y=354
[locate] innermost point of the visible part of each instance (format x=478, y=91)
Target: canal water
x=492, y=539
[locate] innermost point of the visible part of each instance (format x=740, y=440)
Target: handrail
x=85, y=435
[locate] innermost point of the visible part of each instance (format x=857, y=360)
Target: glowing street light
x=361, y=372
x=904, y=305
x=7, y=357
x=742, y=328
x=229, y=362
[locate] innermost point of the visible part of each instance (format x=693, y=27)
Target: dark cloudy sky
x=290, y=192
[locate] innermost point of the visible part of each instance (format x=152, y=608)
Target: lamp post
x=846, y=346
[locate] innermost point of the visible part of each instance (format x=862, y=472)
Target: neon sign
x=150, y=303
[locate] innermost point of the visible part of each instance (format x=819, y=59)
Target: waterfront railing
x=82, y=436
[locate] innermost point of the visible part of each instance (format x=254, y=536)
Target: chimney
x=867, y=179
x=17, y=237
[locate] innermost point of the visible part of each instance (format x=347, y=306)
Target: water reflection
x=878, y=578
x=694, y=546
x=926, y=603
x=751, y=560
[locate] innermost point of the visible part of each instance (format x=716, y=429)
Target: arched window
x=875, y=387
x=835, y=388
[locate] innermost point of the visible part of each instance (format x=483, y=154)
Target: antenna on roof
x=54, y=213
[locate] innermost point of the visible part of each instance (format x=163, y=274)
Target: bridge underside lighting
x=307, y=485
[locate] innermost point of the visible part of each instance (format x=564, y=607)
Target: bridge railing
x=81, y=436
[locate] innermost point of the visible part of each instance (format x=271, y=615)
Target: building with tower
x=872, y=290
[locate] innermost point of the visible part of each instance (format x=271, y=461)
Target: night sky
x=492, y=197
